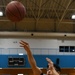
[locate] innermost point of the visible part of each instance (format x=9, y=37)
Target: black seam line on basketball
x=11, y=13
x=18, y=11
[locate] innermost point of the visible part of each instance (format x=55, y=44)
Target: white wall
x=38, y=46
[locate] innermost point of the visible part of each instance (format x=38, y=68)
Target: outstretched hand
x=51, y=68
x=24, y=44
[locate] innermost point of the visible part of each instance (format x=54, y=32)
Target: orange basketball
x=15, y=11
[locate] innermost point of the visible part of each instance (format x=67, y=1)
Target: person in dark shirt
x=52, y=69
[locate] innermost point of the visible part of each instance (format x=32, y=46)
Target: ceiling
x=42, y=16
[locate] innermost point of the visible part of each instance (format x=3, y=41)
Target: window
x=72, y=48
x=61, y=48
x=66, y=48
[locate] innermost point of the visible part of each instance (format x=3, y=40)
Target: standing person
x=52, y=69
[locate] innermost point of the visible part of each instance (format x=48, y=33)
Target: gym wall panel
x=41, y=48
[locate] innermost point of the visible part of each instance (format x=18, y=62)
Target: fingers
x=23, y=42
x=50, y=64
x=49, y=61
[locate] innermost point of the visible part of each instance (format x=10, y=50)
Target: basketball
x=15, y=11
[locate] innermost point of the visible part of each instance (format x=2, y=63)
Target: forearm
x=31, y=59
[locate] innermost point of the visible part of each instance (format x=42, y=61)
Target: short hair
x=57, y=68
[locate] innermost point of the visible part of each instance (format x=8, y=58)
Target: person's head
x=57, y=68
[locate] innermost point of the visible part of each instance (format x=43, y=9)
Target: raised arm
x=54, y=70
x=31, y=59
